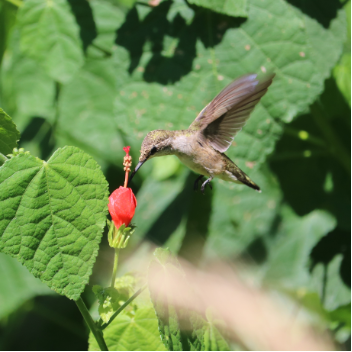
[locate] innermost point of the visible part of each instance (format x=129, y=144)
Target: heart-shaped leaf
x=52, y=216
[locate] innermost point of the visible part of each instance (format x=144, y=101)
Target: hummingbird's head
x=155, y=143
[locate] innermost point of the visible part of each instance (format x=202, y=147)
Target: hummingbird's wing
x=228, y=112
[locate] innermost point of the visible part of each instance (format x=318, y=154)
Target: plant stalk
x=90, y=322
x=116, y=261
x=123, y=307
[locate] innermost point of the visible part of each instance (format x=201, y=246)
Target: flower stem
x=116, y=261
x=126, y=180
x=90, y=322
x=123, y=307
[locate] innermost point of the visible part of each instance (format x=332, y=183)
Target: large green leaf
x=274, y=38
x=288, y=260
x=134, y=329
x=17, y=285
x=241, y=216
x=52, y=216
x=29, y=90
x=86, y=106
x=49, y=34
x=107, y=19
x=155, y=50
x=8, y=134
x=227, y=7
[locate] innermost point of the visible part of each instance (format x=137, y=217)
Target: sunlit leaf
x=134, y=329
x=52, y=216
x=227, y=7
x=256, y=45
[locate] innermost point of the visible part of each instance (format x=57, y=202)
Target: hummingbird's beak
x=136, y=169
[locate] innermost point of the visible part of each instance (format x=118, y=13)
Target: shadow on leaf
x=169, y=62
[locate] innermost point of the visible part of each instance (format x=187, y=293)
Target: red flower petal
x=122, y=205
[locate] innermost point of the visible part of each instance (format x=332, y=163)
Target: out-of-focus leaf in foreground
x=17, y=285
x=180, y=329
x=49, y=34
x=52, y=216
x=226, y=7
x=8, y=134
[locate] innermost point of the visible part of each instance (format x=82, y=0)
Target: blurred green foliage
x=100, y=74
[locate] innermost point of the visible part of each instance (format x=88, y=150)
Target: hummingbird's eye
x=153, y=151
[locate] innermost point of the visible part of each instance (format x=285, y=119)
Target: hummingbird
x=202, y=146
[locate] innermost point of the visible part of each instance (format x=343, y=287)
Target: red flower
x=122, y=205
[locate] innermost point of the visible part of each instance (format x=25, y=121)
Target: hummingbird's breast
x=197, y=155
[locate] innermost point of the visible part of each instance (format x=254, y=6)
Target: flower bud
x=122, y=205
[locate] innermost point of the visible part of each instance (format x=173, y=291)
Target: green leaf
x=50, y=35
x=168, y=316
x=328, y=283
x=213, y=340
x=227, y=7
x=29, y=90
x=342, y=314
x=182, y=330
x=52, y=216
x=288, y=262
x=154, y=198
x=8, y=133
x=89, y=96
x=342, y=74
x=209, y=64
x=134, y=329
x=241, y=217
x=7, y=19
x=17, y=285
x=110, y=299
x=108, y=19
x=180, y=7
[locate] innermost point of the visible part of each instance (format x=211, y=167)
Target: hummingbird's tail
x=248, y=182
x=241, y=176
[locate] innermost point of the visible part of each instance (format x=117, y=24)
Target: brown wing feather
x=228, y=112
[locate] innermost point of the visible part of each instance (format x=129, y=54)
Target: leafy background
x=100, y=74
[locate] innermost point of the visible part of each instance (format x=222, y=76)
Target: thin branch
x=132, y=298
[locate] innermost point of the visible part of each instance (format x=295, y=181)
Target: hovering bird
x=201, y=147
